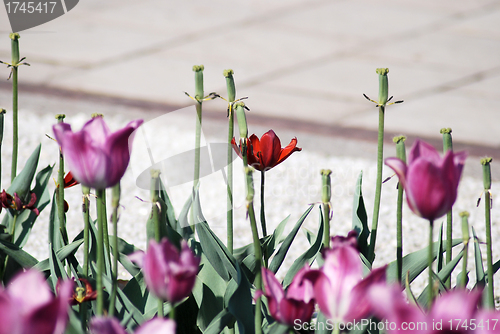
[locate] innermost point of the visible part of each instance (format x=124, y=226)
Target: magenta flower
x=104, y=325
x=96, y=157
x=430, y=181
x=339, y=289
x=296, y=303
x=170, y=274
x=456, y=311
x=28, y=305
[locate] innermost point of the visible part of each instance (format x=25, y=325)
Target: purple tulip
x=104, y=325
x=28, y=305
x=169, y=274
x=430, y=181
x=455, y=311
x=296, y=303
x=339, y=289
x=96, y=157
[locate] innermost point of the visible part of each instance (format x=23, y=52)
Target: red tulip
x=69, y=180
x=267, y=152
x=96, y=157
x=453, y=312
x=170, y=274
x=430, y=182
x=339, y=289
x=295, y=304
x=28, y=306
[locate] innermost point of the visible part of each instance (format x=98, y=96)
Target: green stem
x=86, y=230
x=2, y=113
x=230, y=136
x=197, y=144
x=378, y=188
x=263, y=214
x=399, y=233
x=100, y=251
x=105, y=227
x=114, y=275
x=326, y=217
x=12, y=231
x=448, y=146
x=15, y=134
x=258, y=265
x=171, y=315
x=465, y=237
x=430, y=260
x=155, y=186
x=86, y=247
x=489, y=251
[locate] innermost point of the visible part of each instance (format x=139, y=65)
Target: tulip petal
x=455, y=304
x=105, y=325
x=25, y=286
x=287, y=151
x=9, y=315
x=157, y=326
x=361, y=306
x=301, y=288
x=399, y=167
x=422, y=149
x=270, y=147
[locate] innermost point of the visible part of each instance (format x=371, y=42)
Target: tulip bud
x=447, y=142
x=383, y=92
x=327, y=185
x=239, y=108
x=15, y=48
x=231, y=89
x=486, y=172
x=198, y=82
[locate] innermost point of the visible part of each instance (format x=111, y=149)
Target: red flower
x=83, y=294
x=266, y=153
x=15, y=203
x=69, y=180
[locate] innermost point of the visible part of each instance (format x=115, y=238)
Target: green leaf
x=321, y=325
x=61, y=254
x=359, y=217
x=209, y=293
x=415, y=263
x=22, y=183
x=240, y=302
x=277, y=328
x=24, y=259
x=183, y=227
x=307, y=257
x=216, y=252
x=56, y=268
x=478, y=257
x=440, y=249
x=55, y=238
x=285, y=246
x=223, y=319
x=124, y=250
x=443, y=275
x=272, y=241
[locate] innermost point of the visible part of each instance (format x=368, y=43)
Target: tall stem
x=487, y=215
x=2, y=116
x=231, y=97
x=430, y=260
x=465, y=238
x=155, y=186
x=86, y=230
x=15, y=134
x=378, y=187
x=401, y=154
x=326, y=195
x=448, y=146
x=100, y=251
x=14, y=63
x=262, y=209
x=115, y=201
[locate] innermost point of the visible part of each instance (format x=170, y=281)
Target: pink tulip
x=169, y=274
x=96, y=157
x=430, y=181
x=453, y=312
x=104, y=325
x=339, y=289
x=295, y=304
x=28, y=305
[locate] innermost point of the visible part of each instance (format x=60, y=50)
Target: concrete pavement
x=301, y=61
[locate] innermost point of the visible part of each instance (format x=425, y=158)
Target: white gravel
x=290, y=187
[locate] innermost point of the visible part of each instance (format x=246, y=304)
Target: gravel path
x=290, y=187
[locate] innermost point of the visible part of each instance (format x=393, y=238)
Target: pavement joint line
x=364, y=46
x=331, y=131
x=195, y=36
